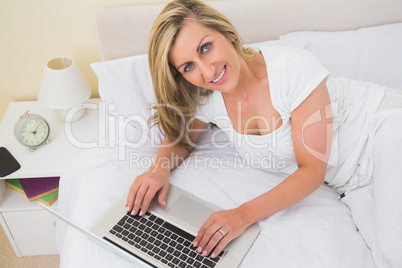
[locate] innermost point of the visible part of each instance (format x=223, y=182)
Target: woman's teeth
x=220, y=75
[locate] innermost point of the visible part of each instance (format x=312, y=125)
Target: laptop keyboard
x=161, y=240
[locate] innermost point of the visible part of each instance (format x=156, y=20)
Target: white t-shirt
x=293, y=74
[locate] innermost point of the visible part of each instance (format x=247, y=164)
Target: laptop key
x=187, y=243
x=159, y=221
x=208, y=263
x=168, y=233
x=152, y=218
x=176, y=261
x=176, y=253
x=179, y=247
x=154, y=233
x=162, y=253
x=118, y=229
x=193, y=254
x=183, y=257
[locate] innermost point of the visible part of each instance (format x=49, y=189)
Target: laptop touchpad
x=190, y=211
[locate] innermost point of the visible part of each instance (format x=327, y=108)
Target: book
x=47, y=200
x=36, y=188
x=15, y=185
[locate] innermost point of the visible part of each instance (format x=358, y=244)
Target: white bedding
x=316, y=232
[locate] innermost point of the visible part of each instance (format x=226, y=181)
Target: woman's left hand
x=220, y=228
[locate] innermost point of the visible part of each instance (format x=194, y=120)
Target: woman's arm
x=156, y=179
x=312, y=136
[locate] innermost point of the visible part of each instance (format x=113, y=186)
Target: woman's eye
x=206, y=47
x=188, y=67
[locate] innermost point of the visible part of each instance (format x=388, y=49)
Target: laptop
x=163, y=237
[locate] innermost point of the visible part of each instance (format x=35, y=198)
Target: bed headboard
x=124, y=31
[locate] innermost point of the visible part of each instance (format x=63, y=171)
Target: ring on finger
x=222, y=232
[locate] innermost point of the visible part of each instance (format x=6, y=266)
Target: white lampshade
x=63, y=86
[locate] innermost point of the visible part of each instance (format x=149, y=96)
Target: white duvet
x=316, y=232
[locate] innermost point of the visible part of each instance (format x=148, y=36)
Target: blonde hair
x=177, y=98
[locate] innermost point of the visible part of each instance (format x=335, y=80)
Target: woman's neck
x=251, y=74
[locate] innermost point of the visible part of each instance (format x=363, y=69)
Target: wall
x=34, y=31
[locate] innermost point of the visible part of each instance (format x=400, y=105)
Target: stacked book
x=45, y=190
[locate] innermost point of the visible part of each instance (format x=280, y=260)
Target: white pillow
x=299, y=42
x=368, y=54
x=125, y=85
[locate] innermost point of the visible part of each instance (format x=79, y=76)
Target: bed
x=357, y=39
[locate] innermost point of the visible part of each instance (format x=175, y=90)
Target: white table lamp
x=63, y=87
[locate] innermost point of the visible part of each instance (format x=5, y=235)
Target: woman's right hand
x=145, y=187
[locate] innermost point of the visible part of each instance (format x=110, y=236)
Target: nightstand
x=31, y=229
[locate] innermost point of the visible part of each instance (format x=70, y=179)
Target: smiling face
x=205, y=57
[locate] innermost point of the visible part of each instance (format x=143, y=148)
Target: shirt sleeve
x=302, y=73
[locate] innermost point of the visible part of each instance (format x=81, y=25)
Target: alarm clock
x=32, y=131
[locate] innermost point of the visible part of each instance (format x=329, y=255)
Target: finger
x=149, y=195
x=131, y=196
x=221, y=245
x=216, y=238
x=201, y=233
x=162, y=195
x=206, y=238
x=139, y=198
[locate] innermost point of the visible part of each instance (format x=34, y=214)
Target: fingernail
x=164, y=203
x=205, y=253
x=213, y=255
x=199, y=249
x=127, y=209
x=132, y=212
x=141, y=213
x=195, y=244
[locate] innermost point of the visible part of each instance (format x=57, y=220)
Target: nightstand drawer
x=33, y=231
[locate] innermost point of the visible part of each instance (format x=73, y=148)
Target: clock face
x=34, y=132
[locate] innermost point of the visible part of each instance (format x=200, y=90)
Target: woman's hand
x=220, y=228
x=144, y=188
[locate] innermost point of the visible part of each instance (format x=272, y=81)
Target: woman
x=279, y=97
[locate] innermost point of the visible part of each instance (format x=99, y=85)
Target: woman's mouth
x=221, y=75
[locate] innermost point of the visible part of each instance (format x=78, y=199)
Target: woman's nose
x=207, y=70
